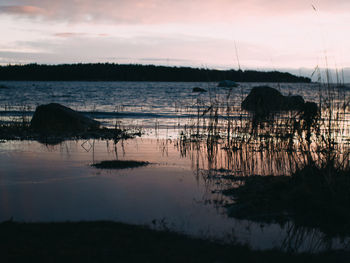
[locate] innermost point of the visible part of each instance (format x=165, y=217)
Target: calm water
x=57, y=183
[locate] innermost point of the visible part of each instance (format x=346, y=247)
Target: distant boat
x=228, y=84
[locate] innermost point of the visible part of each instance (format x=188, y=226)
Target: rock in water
x=197, y=89
x=227, y=83
x=55, y=117
x=265, y=99
x=293, y=102
x=309, y=111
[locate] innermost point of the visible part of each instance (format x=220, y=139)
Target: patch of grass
x=119, y=164
x=117, y=242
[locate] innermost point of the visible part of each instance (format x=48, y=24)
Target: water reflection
x=43, y=179
x=300, y=238
x=184, y=184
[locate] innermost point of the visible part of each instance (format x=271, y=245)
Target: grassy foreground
x=117, y=242
x=314, y=197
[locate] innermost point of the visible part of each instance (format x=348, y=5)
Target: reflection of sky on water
x=56, y=183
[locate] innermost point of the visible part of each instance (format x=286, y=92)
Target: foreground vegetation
x=280, y=165
x=314, y=197
x=117, y=242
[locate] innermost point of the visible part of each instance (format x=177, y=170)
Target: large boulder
x=265, y=99
x=293, y=102
x=55, y=117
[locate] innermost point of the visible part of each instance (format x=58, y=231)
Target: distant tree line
x=134, y=72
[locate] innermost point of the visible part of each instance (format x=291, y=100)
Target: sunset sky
x=268, y=34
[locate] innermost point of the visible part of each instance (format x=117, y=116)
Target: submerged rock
x=265, y=99
x=55, y=118
x=119, y=164
x=228, y=83
x=197, y=89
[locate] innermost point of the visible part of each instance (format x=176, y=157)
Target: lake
x=41, y=182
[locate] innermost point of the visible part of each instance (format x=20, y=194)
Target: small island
x=136, y=72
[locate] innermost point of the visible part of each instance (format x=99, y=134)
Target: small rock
x=119, y=164
x=228, y=84
x=197, y=89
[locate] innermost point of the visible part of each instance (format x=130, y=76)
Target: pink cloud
x=78, y=34
x=69, y=34
x=22, y=10
x=167, y=11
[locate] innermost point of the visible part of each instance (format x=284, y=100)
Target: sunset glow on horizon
x=253, y=34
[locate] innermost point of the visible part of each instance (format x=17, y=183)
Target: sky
x=288, y=35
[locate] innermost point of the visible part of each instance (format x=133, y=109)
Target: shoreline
x=107, y=241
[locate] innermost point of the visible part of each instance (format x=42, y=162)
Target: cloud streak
x=69, y=34
x=78, y=34
x=164, y=11
x=26, y=10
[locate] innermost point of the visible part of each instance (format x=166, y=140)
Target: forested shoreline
x=135, y=72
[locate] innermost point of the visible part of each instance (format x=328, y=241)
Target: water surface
x=57, y=183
